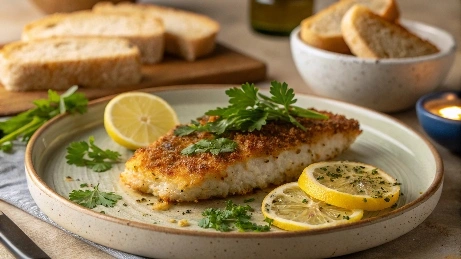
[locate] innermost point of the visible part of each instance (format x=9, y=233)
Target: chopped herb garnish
x=249, y=110
x=90, y=155
x=92, y=198
x=232, y=216
x=249, y=200
x=22, y=126
x=213, y=146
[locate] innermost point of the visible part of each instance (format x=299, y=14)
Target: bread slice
x=323, y=30
x=370, y=36
x=188, y=35
x=59, y=63
x=145, y=32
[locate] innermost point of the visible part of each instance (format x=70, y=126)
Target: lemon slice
x=136, y=119
x=350, y=185
x=291, y=208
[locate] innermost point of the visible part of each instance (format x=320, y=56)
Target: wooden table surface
x=439, y=236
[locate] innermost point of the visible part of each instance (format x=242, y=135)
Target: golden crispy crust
x=163, y=159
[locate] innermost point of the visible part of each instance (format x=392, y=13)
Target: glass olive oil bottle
x=278, y=17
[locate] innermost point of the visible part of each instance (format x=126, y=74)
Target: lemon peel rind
x=297, y=226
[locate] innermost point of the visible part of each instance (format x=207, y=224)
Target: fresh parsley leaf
x=246, y=96
x=233, y=216
x=282, y=95
x=81, y=153
x=249, y=200
x=188, y=129
x=214, y=146
x=23, y=125
x=92, y=198
x=250, y=110
x=6, y=146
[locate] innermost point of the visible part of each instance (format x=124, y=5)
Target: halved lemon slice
x=350, y=185
x=291, y=208
x=136, y=119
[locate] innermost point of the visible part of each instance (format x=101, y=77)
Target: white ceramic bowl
x=386, y=85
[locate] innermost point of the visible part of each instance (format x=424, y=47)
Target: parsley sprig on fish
x=214, y=146
x=249, y=110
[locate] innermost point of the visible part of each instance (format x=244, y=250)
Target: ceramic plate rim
x=40, y=183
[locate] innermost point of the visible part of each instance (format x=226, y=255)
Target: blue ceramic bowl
x=446, y=132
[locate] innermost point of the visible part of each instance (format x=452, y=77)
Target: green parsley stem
x=35, y=123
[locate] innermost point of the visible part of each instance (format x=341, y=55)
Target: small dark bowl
x=446, y=132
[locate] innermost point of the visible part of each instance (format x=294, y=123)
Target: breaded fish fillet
x=273, y=155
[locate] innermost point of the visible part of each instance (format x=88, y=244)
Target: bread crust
x=93, y=70
x=149, y=39
x=364, y=44
x=333, y=40
x=333, y=43
x=189, y=46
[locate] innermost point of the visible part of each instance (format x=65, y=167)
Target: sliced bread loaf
x=370, y=36
x=59, y=63
x=188, y=35
x=145, y=32
x=323, y=30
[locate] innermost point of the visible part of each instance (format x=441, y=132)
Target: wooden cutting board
x=224, y=66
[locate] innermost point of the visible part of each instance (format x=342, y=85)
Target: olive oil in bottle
x=278, y=17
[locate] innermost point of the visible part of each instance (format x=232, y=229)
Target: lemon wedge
x=350, y=185
x=291, y=208
x=136, y=119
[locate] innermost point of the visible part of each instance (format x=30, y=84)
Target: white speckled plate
x=133, y=226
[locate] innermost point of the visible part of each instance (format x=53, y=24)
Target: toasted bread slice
x=323, y=30
x=59, y=63
x=145, y=32
x=370, y=36
x=188, y=35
